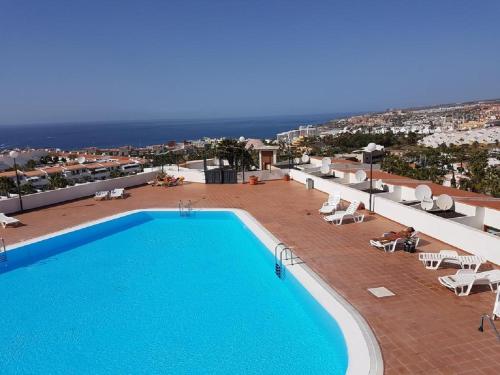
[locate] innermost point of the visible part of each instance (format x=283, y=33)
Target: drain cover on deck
x=381, y=292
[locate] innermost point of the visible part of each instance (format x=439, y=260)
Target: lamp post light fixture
x=370, y=148
x=14, y=155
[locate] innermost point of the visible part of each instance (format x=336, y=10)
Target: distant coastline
x=73, y=135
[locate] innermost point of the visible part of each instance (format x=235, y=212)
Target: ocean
x=67, y=136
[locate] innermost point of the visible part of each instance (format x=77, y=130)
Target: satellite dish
x=444, y=202
x=371, y=147
x=427, y=204
x=296, y=160
x=360, y=175
x=305, y=158
x=326, y=161
x=423, y=192
x=80, y=160
x=325, y=169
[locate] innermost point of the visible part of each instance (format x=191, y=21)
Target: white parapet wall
x=50, y=197
x=274, y=174
x=190, y=175
x=453, y=232
x=329, y=187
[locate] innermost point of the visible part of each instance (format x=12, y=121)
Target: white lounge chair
x=496, y=307
x=463, y=281
x=330, y=205
x=392, y=245
x=433, y=261
x=101, y=195
x=117, y=193
x=350, y=212
x=8, y=221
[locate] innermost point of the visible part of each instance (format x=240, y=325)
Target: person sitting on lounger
x=393, y=236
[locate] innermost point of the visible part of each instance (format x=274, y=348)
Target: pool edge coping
x=352, y=324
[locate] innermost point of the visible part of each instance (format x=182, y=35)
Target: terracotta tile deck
x=424, y=329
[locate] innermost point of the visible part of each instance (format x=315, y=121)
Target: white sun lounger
x=101, y=195
x=463, y=281
x=8, y=221
x=496, y=307
x=117, y=193
x=391, y=246
x=339, y=216
x=331, y=205
x=433, y=261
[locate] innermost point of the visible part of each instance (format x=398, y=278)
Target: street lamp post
x=14, y=155
x=370, y=148
x=243, y=161
x=242, y=157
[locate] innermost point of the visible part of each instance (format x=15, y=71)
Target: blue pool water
x=155, y=293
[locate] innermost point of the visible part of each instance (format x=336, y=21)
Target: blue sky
x=104, y=60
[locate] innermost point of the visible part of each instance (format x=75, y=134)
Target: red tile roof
x=53, y=170
x=9, y=174
x=35, y=173
x=74, y=167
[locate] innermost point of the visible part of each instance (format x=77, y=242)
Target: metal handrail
x=492, y=325
x=286, y=257
x=185, y=209
x=281, y=244
x=3, y=252
x=278, y=261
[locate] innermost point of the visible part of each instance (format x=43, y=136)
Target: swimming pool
x=153, y=292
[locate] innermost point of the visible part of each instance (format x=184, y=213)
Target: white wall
x=274, y=174
x=329, y=186
x=73, y=192
x=198, y=164
x=457, y=234
x=8, y=205
x=464, y=237
x=492, y=217
x=407, y=193
x=190, y=175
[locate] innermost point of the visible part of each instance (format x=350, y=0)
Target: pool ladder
x=489, y=319
x=3, y=251
x=185, y=208
x=279, y=250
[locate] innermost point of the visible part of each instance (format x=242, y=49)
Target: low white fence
x=274, y=174
x=328, y=186
x=190, y=175
x=462, y=236
x=47, y=198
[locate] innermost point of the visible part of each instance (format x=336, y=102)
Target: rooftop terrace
x=423, y=329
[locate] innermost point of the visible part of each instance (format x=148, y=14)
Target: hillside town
x=454, y=119
x=406, y=138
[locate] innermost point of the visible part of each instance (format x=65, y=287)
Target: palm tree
x=27, y=189
x=6, y=186
x=57, y=181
